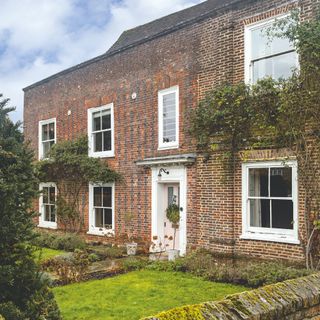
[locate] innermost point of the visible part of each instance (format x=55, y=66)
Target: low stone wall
x=297, y=299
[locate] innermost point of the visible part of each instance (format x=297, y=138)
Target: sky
x=39, y=38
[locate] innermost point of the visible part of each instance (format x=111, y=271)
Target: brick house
x=133, y=103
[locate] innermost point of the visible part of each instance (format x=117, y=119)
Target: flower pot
x=131, y=248
x=173, y=254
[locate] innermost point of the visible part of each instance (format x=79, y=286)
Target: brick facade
x=195, y=57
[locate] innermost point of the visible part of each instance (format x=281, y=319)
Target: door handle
x=181, y=209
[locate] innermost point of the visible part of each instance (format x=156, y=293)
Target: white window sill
x=270, y=237
x=101, y=233
x=101, y=154
x=47, y=225
x=168, y=147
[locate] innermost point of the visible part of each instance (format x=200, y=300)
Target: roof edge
x=147, y=39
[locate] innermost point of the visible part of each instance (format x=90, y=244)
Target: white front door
x=172, y=195
x=167, y=187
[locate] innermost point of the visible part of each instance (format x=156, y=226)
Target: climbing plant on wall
x=70, y=167
x=282, y=113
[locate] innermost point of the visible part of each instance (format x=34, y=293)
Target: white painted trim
x=248, y=44
x=174, y=144
x=40, y=124
x=42, y=222
x=176, y=174
x=92, y=229
x=103, y=154
x=270, y=234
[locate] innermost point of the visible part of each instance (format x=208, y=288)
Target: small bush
x=10, y=312
x=66, y=242
x=134, y=263
x=111, y=252
x=69, y=268
x=205, y=264
x=93, y=257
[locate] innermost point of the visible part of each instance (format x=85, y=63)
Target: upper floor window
x=47, y=137
x=101, y=208
x=270, y=201
x=267, y=57
x=47, y=205
x=100, y=131
x=168, y=103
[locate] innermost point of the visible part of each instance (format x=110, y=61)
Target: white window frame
x=269, y=234
x=102, y=154
x=92, y=229
x=43, y=223
x=40, y=142
x=248, y=70
x=173, y=144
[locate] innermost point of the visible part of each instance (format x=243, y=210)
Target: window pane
x=106, y=119
x=45, y=132
x=46, y=148
x=106, y=140
x=107, y=197
x=281, y=182
x=53, y=214
x=259, y=213
x=170, y=195
x=51, y=131
x=98, y=217
x=282, y=214
x=52, y=195
x=97, y=141
x=97, y=197
x=96, y=121
x=169, y=117
x=46, y=212
x=275, y=67
x=108, y=218
x=45, y=195
x=262, y=46
x=258, y=182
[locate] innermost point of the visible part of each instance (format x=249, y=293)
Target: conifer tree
x=23, y=293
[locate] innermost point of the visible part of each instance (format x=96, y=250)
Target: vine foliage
x=275, y=114
x=70, y=167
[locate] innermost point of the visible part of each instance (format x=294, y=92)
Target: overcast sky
x=41, y=37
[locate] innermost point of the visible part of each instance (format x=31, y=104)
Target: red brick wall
x=197, y=58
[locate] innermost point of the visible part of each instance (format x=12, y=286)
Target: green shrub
x=134, y=263
x=111, y=252
x=69, y=268
x=10, y=312
x=256, y=275
x=93, y=257
x=66, y=242
x=205, y=264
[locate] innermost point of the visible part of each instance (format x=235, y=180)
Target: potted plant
x=173, y=215
x=130, y=245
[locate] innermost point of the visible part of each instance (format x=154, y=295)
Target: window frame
x=40, y=142
x=95, y=230
x=269, y=234
x=173, y=144
x=42, y=222
x=100, y=154
x=248, y=70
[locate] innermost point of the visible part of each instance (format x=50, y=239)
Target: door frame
x=177, y=174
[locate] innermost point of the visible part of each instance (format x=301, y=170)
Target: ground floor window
x=269, y=198
x=47, y=205
x=101, y=208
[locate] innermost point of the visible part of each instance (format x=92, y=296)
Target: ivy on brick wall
x=282, y=113
x=70, y=167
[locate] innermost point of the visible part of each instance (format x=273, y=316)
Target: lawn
x=136, y=294
x=43, y=254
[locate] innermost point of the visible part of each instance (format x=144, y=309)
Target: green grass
x=136, y=294
x=43, y=254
